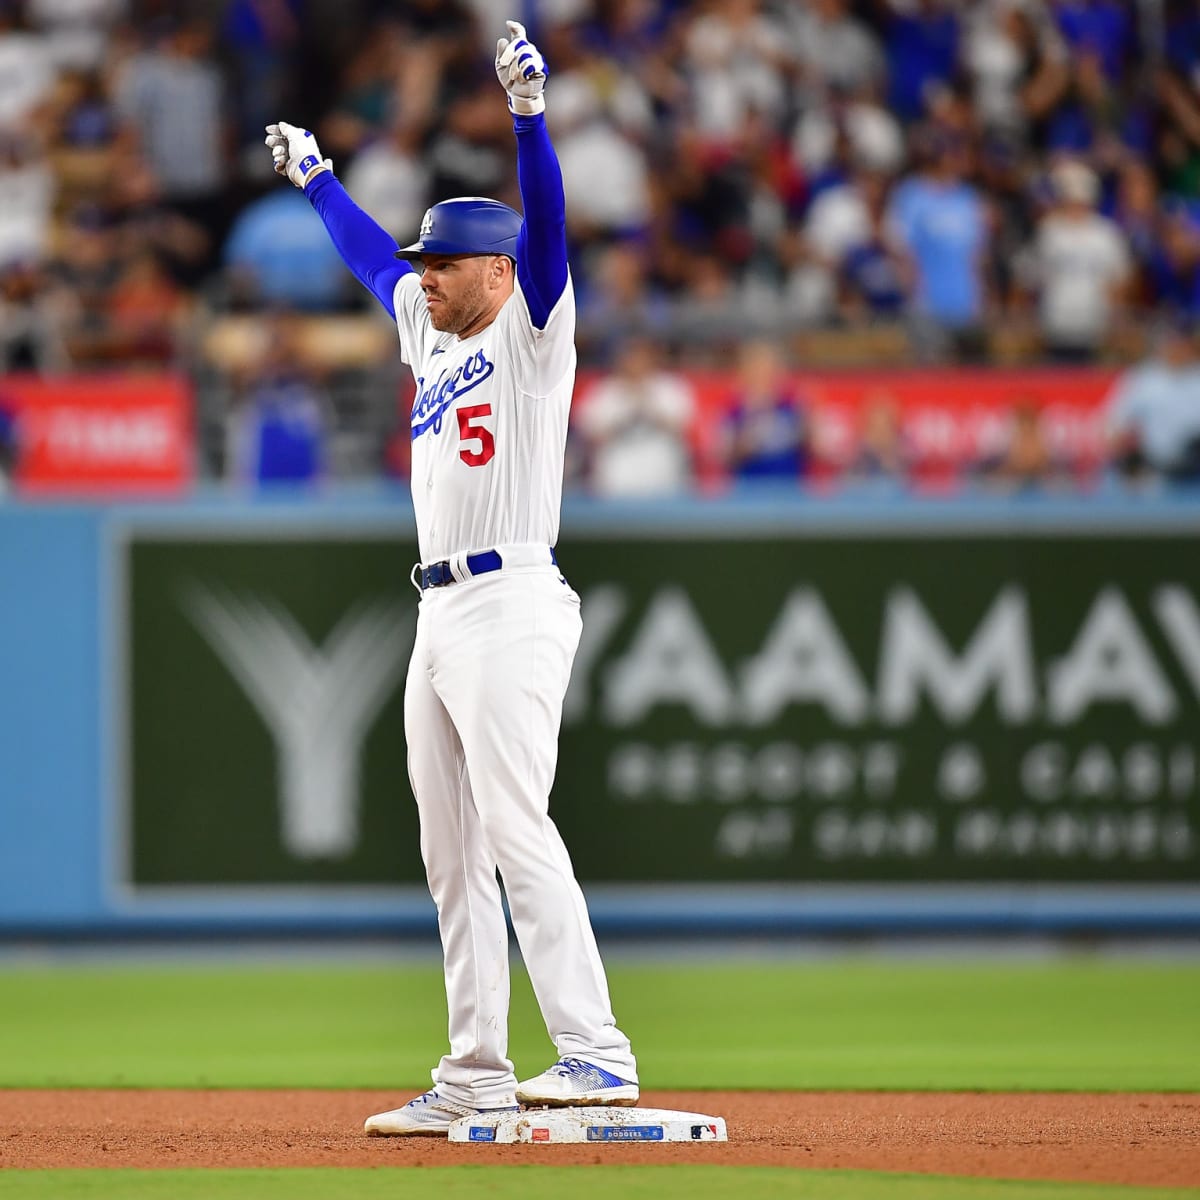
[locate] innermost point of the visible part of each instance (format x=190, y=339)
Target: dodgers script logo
x=433, y=399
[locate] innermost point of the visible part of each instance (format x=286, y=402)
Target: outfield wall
x=838, y=715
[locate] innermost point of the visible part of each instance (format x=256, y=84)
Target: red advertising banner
x=949, y=419
x=961, y=417
x=101, y=434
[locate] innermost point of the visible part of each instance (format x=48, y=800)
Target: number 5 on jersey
x=468, y=432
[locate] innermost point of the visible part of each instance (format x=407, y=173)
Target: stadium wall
x=847, y=715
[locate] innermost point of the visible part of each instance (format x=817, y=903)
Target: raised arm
x=365, y=246
x=542, y=242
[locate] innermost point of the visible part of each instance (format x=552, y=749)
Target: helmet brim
x=419, y=249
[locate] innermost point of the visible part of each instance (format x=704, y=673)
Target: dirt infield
x=1130, y=1139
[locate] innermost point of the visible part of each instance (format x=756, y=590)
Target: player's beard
x=453, y=316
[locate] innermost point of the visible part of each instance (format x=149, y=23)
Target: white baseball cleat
x=429, y=1115
x=573, y=1081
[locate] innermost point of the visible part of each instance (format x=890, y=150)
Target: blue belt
x=438, y=574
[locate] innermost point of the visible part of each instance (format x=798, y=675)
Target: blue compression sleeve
x=366, y=247
x=542, y=242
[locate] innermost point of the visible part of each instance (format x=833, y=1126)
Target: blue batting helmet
x=467, y=225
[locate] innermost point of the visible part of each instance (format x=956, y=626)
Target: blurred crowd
x=748, y=181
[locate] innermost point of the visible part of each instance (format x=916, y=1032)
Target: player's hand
x=295, y=153
x=521, y=70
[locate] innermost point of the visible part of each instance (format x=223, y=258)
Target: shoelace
x=570, y=1068
x=431, y=1098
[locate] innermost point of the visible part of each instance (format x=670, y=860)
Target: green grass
x=677, y=1182
x=547, y=1183
x=1070, y=1025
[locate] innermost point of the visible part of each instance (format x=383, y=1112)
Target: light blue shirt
x=283, y=243
x=1162, y=406
x=944, y=229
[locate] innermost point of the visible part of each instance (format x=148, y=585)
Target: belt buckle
x=435, y=575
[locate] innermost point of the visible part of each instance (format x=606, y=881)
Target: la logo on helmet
x=427, y=223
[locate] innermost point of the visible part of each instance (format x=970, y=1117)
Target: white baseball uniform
x=483, y=700
x=493, y=650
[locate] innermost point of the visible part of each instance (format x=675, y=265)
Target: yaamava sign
x=783, y=708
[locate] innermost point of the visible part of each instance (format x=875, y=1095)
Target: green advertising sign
x=813, y=708
x=266, y=717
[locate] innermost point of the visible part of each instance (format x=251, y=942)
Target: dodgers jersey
x=489, y=420
x=489, y=423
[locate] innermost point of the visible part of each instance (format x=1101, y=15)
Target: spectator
x=262, y=41
x=775, y=197
x=172, y=95
x=143, y=220
x=1094, y=116
x=941, y=221
x=834, y=48
x=85, y=273
x=148, y=312
x=764, y=435
x=26, y=69
x=28, y=186
x=1002, y=175
x=715, y=312
x=922, y=51
x=1016, y=61
x=1153, y=411
x=1175, y=80
x=388, y=178
x=278, y=253
x=837, y=221
x=8, y=444
x=604, y=171
x=1136, y=210
x=1024, y=463
x=31, y=322
x=1172, y=271
x=85, y=117
x=469, y=155
x=873, y=137
x=621, y=302
x=76, y=31
x=875, y=276
x=734, y=55
x=883, y=454
x=1101, y=30
x=636, y=423
x=1080, y=268
x=706, y=196
x=280, y=429
x=612, y=79
x=370, y=85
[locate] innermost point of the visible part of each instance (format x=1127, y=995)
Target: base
x=561, y=1125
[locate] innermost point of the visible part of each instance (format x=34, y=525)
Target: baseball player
x=487, y=323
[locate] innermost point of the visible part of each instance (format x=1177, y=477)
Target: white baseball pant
x=482, y=709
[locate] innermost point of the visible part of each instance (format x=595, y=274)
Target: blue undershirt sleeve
x=366, y=247
x=542, y=242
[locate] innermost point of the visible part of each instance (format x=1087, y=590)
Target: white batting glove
x=521, y=70
x=295, y=153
